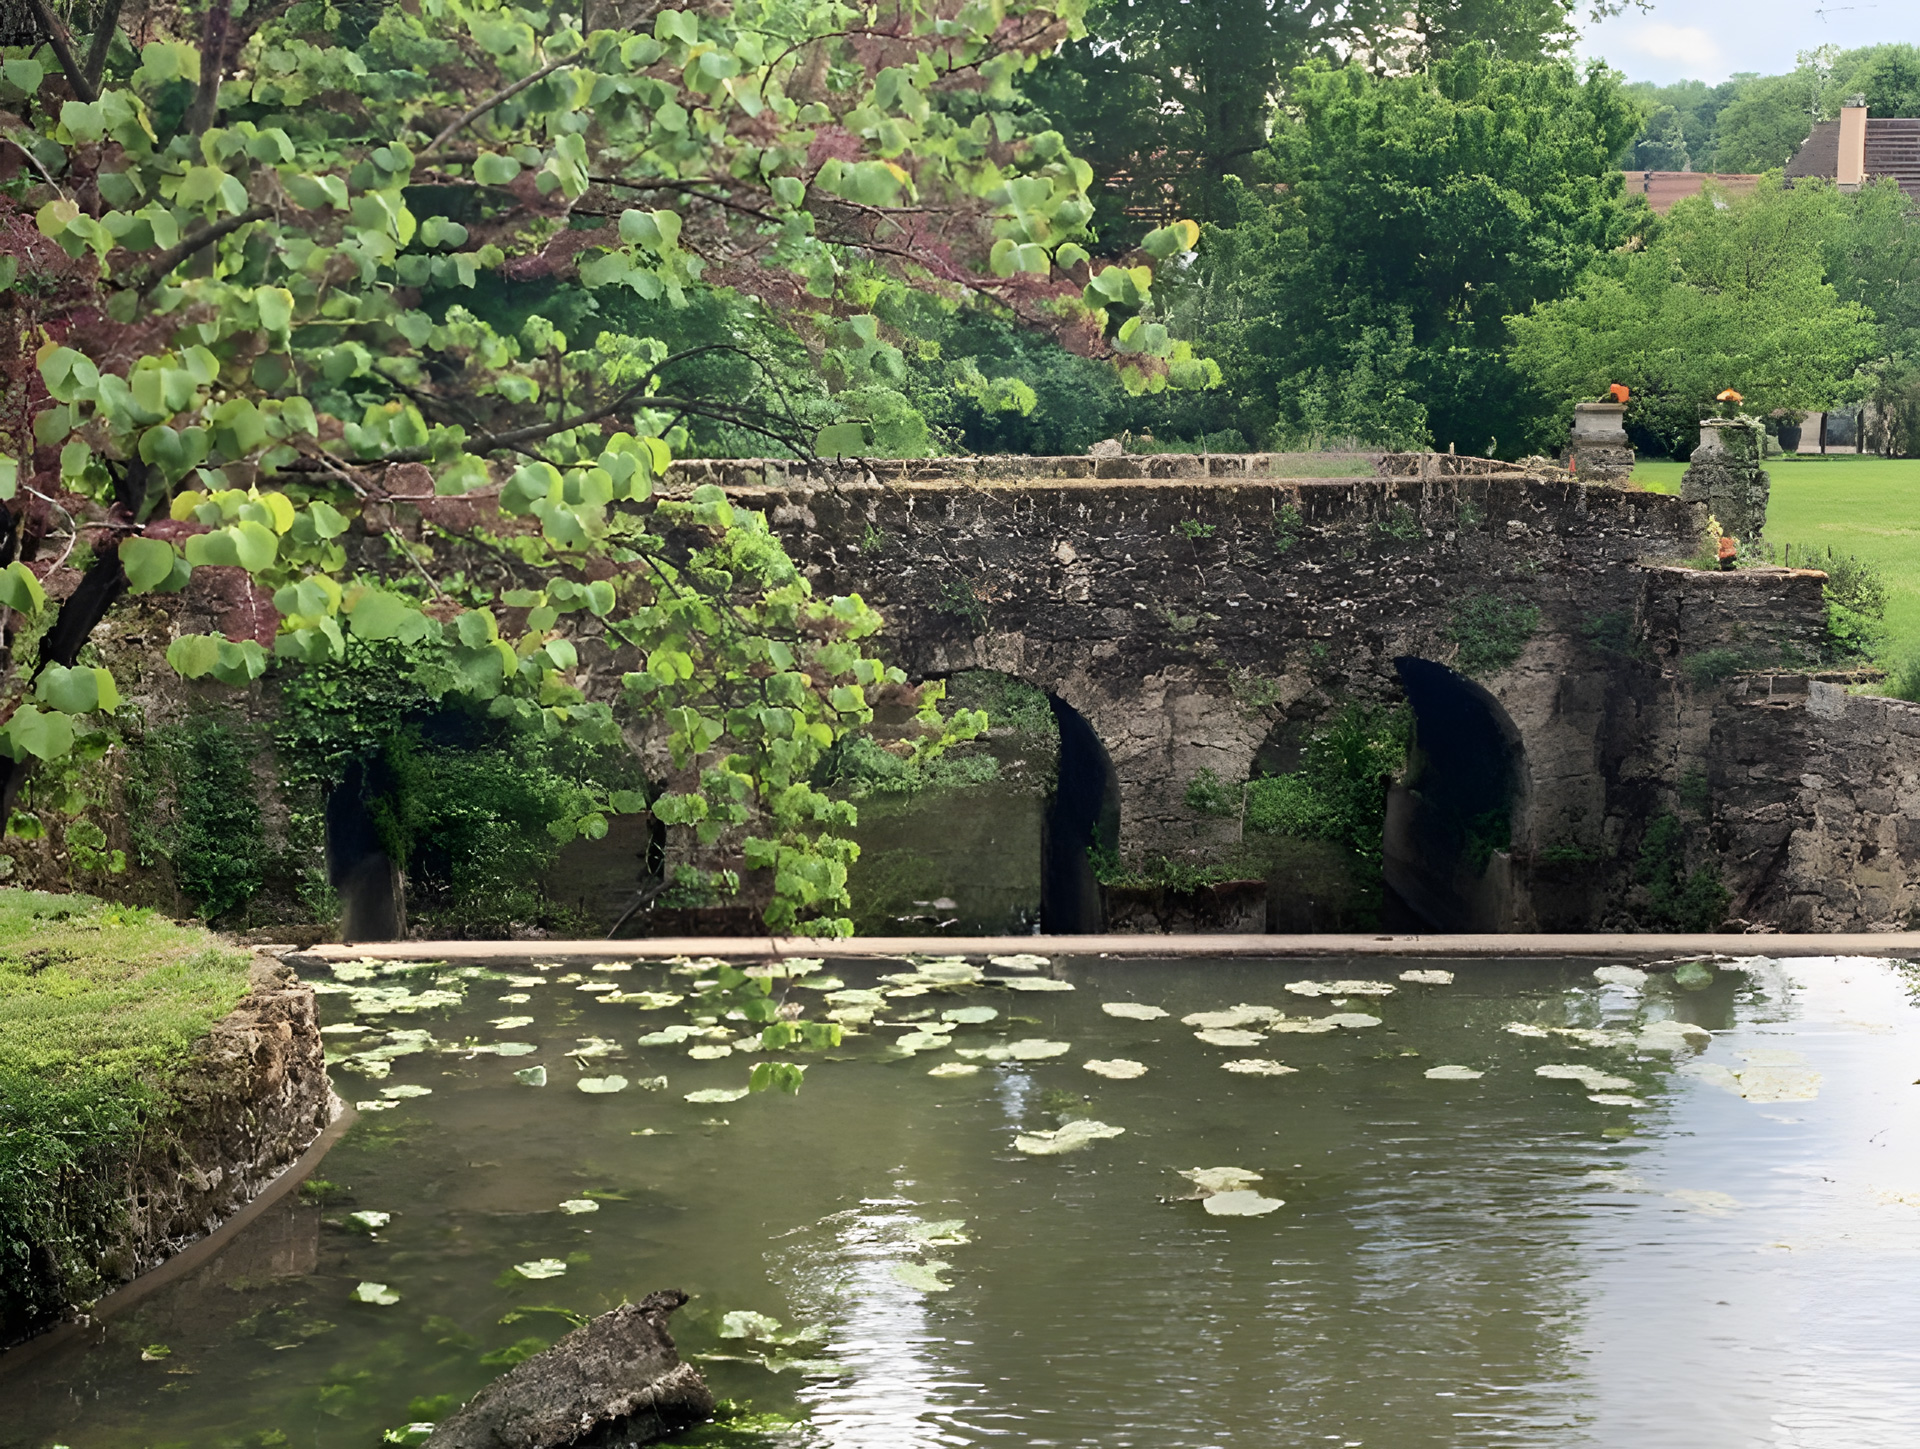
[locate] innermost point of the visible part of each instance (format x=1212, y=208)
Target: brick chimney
x=1853, y=144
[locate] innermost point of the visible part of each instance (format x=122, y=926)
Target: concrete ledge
x=1857, y=943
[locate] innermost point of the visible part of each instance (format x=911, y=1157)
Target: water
x=1497, y=1261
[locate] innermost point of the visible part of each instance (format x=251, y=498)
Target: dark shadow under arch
x=1084, y=812
x=1450, y=819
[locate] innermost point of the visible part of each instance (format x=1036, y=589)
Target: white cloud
x=1693, y=49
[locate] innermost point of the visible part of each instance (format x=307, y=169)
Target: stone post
x=1598, y=451
x=1725, y=474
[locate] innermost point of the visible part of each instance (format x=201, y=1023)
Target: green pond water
x=1723, y=1251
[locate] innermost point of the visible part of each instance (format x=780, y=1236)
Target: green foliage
x=1369, y=297
x=1489, y=632
x=97, y=1003
x=1160, y=872
x=1712, y=666
x=1210, y=795
x=1729, y=292
x=1903, y=679
x=1616, y=632
x=1695, y=793
x=1287, y=527
x=1339, y=791
x=1676, y=899
x=958, y=601
x=1401, y=524
x=857, y=767
x=1009, y=703
x=1856, y=598
x=204, y=817
x=1193, y=530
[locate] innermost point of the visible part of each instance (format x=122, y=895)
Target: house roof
x=1893, y=149
x=1663, y=188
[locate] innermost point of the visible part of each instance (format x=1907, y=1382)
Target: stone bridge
x=1570, y=679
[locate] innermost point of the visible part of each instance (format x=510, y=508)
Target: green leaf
x=9, y=472
x=376, y=614
x=490, y=169
x=20, y=590
x=842, y=440
x=147, y=563
x=25, y=75
x=193, y=656
x=76, y=691
x=37, y=734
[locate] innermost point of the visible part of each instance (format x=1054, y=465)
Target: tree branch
x=213, y=66
x=480, y=110
x=61, y=39
x=156, y=271
x=103, y=33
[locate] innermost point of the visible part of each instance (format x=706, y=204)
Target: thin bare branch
x=488, y=104
x=157, y=270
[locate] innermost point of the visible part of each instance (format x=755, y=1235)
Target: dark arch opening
x=1450, y=819
x=1084, y=813
x=364, y=876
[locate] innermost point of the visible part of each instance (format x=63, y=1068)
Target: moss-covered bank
x=152, y=1079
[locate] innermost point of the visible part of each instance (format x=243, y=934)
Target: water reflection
x=1493, y=1261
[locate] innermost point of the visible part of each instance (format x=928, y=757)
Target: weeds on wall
x=1489, y=632
x=1616, y=633
x=196, y=806
x=1714, y=666
x=858, y=768
x=1210, y=795
x=959, y=601
x=1160, y=872
x=1193, y=530
x=65, y=799
x=1401, y=524
x=1339, y=792
x=1010, y=703
x=1677, y=900
x=1288, y=526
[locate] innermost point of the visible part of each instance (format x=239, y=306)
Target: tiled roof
x=1663, y=188
x=1893, y=149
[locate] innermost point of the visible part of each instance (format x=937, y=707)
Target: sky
x=1711, y=39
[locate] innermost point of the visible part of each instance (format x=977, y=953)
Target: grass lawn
x=1868, y=507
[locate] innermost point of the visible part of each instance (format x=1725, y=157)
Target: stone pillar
x=1598, y=451
x=1725, y=474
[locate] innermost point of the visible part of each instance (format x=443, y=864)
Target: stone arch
x=1446, y=852
x=1083, y=813
x=367, y=880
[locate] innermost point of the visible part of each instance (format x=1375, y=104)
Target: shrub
x=1489, y=632
x=1678, y=900
x=1210, y=795
x=1856, y=596
x=1338, y=792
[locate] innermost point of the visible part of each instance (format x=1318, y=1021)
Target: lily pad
x=526, y=981
x=1428, y=978
x=646, y=1000
x=1453, y=1074
x=1305, y=1025
x=1615, y=1099
x=742, y=1323
x=1240, y=1204
x=982, y=1054
x=1628, y=976
x=1352, y=1020
x=600, y=1086
x=513, y=1048
x=577, y=1205
x=667, y=1036
x=356, y=970
x=608, y=987
x=943, y=1234
x=345, y=1028
x=375, y=1293
x=1672, y=1036
x=1220, y=1179
x=1023, y=961
x=953, y=1069
x=514, y=998
x=594, y=1046
x=1133, y=1010
x=709, y=1053
x=1118, y=1069
x=1257, y=1067
x=541, y=1268
x=825, y=983
x=919, y=1041
x=406, y=1090
x=1779, y=1084
x=1030, y=983
x=854, y=997
x=921, y=1276
x=611, y=966
x=1230, y=1037
x=969, y=1015
x=510, y=1023
x=717, y=1094
x=1595, y=1037
x=1526, y=1028
x=531, y=1076
x=370, y=1220
x=1242, y=1015
x=1591, y=1078
x=375, y=1105
x=1070, y=1138
x=1036, y=1050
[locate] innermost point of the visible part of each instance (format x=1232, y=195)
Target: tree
x=1368, y=296
x=1663, y=143
x=277, y=234
x=1731, y=292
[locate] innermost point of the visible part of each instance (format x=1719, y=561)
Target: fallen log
x=611, y=1383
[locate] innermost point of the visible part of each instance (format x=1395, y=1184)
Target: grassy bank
x=1868, y=507
x=97, y=1002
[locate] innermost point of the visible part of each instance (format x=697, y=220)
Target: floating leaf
x=1257, y=1067
x=667, y=1036
x=376, y=1105
x=1453, y=1074
x=1615, y=1099
x=345, y=1028
x=1305, y=1025
x=943, y=1234
x=919, y=1041
x=1118, y=1068
x=1024, y=961
x=1133, y=1010
x=1070, y=1138
x=513, y=1049
x=717, y=1094
x=915, y=1275
x=953, y=1069
x=375, y=1293
x=1230, y=1037
x=1591, y=1078
x=741, y=1323
x=531, y=1076
x=370, y=1220
x=1523, y=1028
x=1779, y=1084
x=1628, y=976
x=1352, y=1020
x=511, y=1023
x=1240, y=1204
x=1220, y=1179
x=1428, y=978
x=1693, y=975
x=1035, y=1050
x=709, y=1053
x=577, y=1205
x=1671, y=1036
x=646, y=1000
x=1030, y=983
x=408, y=1090
x=541, y=1268
x=602, y=1085
x=515, y=998
x=594, y=1046
x=1242, y=1015
x=969, y=1015
x=982, y=1054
